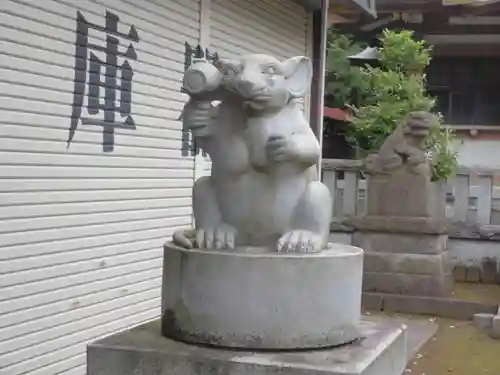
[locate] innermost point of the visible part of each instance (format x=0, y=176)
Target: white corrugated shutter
x=81, y=230
x=274, y=27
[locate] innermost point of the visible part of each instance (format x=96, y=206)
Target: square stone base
x=404, y=263
x=440, y=285
x=143, y=351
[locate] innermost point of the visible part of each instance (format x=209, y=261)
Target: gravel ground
x=458, y=349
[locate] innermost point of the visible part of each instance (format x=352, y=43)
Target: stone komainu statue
x=263, y=188
x=404, y=147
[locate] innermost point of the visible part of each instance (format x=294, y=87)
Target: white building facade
x=95, y=170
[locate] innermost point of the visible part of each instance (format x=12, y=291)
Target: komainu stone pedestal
x=252, y=298
x=403, y=232
x=143, y=351
x=405, y=244
x=405, y=263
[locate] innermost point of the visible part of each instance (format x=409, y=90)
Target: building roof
x=365, y=6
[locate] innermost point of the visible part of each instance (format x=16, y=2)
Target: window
x=467, y=89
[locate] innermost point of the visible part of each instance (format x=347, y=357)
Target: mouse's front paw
x=222, y=236
x=280, y=148
x=300, y=241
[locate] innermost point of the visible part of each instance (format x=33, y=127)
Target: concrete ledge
x=455, y=230
x=384, y=349
x=442, y=307
x=478, y=232
x=407, y=284
x=399, y=243
x=372, y=301
x=388, y=224
x=487, y=274
x=416, y=264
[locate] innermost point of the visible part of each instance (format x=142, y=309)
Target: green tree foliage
x=344, y=83
x=381, y=97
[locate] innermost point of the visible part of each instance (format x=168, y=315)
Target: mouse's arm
x=307, y=146
x=300, y=147
x=197, y=117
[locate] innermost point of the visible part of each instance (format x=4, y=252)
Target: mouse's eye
x=270, y=69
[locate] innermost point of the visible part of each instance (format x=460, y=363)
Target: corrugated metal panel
x=81, y=230
x=274, y=27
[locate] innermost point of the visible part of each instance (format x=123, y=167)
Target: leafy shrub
x=381, y=97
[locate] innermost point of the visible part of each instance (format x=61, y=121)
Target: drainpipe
x=320, y=35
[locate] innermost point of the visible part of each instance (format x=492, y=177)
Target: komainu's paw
x=300, y=241
x=221, y=237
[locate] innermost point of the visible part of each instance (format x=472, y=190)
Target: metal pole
x=320, y=97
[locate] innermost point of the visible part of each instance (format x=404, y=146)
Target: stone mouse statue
x=263, y=189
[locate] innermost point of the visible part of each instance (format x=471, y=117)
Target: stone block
x=495, y=329
x=372, y=301
x=142, y=350
x=460, y=273
x=419, y=264
x=405, y=194
x=399, y=243
x=389, y=224
x=489, y=270
x=443, y=307
x=483, y=322
x=253, y=298
x=473, y=274
x=407, y=284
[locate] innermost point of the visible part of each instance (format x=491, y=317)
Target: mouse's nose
x=246, y=87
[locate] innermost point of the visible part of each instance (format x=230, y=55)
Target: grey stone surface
x=409, y=284
x=483, y=321
x=251, y=298
x=372, y=301
x=396, y=224
x=263, y=189
x=475, y=231
x=473, y=274
x=418, y=331
x=472, y=252
x=489, y=270
x=142, y=350
x=399, y=182
x=460, y=273
x=463, y=252
x=405, y=194
x=418, y=264
x=340, y=237
x=495, y=329
x=437, y=306
x=400, y=243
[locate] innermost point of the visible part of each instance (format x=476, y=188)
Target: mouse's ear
x=298, y=72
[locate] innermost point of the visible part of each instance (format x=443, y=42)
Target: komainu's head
x=418, y=125
x=265, y=83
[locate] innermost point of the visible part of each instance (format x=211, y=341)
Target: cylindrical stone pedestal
x=253, y=299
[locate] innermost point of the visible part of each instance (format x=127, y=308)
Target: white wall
x=82, y=230
x=479, y=153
